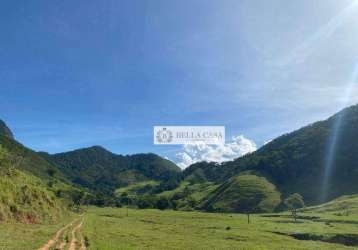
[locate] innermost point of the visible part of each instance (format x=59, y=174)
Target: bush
x=163, y=203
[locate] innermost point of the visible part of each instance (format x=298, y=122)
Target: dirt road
x=77, y=242
x=61, y=238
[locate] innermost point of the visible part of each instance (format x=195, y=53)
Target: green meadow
x=330, y=226
x=20, y=236
x=109, y=228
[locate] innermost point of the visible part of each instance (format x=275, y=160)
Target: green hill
x=25, y=197
x=98, y=169
x=245, y=193
x=32, y=189
x=344, y=205
x=296, y=162
x=27, y=160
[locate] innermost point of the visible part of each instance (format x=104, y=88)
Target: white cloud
x=192, y=153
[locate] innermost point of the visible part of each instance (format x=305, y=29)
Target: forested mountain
x=27, y=160
x=296, y=162
x=98, y=169
x=4, y=130
x=32, y=190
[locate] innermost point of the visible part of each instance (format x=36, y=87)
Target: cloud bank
x=192, y=153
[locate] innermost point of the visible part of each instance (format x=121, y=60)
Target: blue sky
x=82, y=73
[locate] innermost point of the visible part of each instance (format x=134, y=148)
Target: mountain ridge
x=292, y=163
x=99, y=169
x=296, y=161
x=5, y=130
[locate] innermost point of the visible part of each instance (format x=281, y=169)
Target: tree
x=163, y=203
x=191, y=202
x=294, y=202
x=249, y=204
x=77, y=196
x=146, y=201
x=51, y=172
x=169, y=184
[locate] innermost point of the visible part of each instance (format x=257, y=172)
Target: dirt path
x=57, y=236
x=83, y=244
x=61, y=245
x=57, y=243
x=75, y=241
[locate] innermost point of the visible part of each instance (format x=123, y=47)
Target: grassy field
x=20, y=236
x=332, y=226
x=108, y=228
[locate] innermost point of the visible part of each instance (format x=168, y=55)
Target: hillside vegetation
x=98, y=169
x=345, y=205
x=5, y=130
x=27, y=160
x=296, y=162
x=32, y=189
x=24, y=197
x=292, y=163
x=244, y=194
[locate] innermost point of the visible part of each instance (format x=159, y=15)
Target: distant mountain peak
x=5, y=130
x=98, y=148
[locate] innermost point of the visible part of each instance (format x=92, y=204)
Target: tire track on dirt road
x=74, y=240
x=57, y=236
x=55, y=240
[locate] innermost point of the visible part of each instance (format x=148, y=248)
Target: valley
x=91, y=198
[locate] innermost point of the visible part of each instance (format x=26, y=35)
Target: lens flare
x=335, y=134
x=309, y=45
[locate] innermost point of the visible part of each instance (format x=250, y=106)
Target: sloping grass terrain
x=245, y=193
x=344, y=206
x=188, y=196
x=27, y=198
x=28, y=161
x=24, y=198
x=137, y=188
